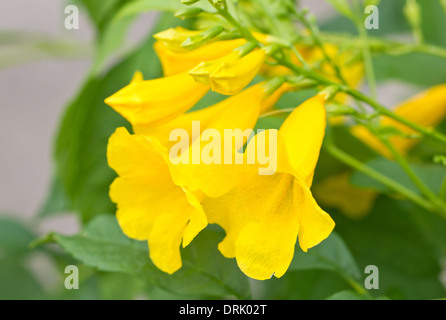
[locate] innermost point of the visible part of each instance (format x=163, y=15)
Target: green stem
x=361, y=167
x=411, y=174
x=243, y=31
x=300, y=58
x=428, y=132
x=315, y=36
x=365, y=48
x=382, y=45
x=354, y=284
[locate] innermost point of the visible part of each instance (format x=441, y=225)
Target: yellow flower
x=427, y=109
x=231, y=73
x=154, y=101
x=255, y=102
x=153, y=201
x=226, y=114
x=174, y=62
x=173, y=38
x=263, y=215
x=150, y=206
x=338, y=192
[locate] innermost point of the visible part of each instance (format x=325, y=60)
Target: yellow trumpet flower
x=155, y=101
x=219, y=116
x=150, y=206
x=153, y=202
x=263, y=215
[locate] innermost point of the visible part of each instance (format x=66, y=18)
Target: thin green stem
x=243, y=31
x=314, y=33
x=428, y=132
x=272, y=113
x=412, y=175
x=354, y=284
x=365, y=48
x=379, y=45
x=395, y=186
x=300, y=58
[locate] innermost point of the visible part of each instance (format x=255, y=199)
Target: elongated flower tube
x=150, y=206
x=427, y=109
x=231, y=73
x=174, y=62
x=264, y=215
x=158, y=100
x=223, y=112
x=219, y=116
x=173, y=38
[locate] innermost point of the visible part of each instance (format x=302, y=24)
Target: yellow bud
x=173, y=38
x=158, y=100
x=231, y=73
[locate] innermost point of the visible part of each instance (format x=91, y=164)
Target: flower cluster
x=169, y=203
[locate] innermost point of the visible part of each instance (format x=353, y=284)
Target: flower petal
x=174, y=62
x=158, y=100
x=303, y=132
x=262, y=217
x=150, y=206
x=232, y=77
x=315, y=224
x=260, y=223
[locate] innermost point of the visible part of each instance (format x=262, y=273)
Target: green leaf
x=348, y=295
x=300, y=285
x=56, y=202
x=100, y=11
x=394, y=238
x=15, y=237
x=119, y=286
x=391, y=20
x=205, y=271
x=425, y=70
x=17, y=283
x=332, y=255
x=434, y=22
